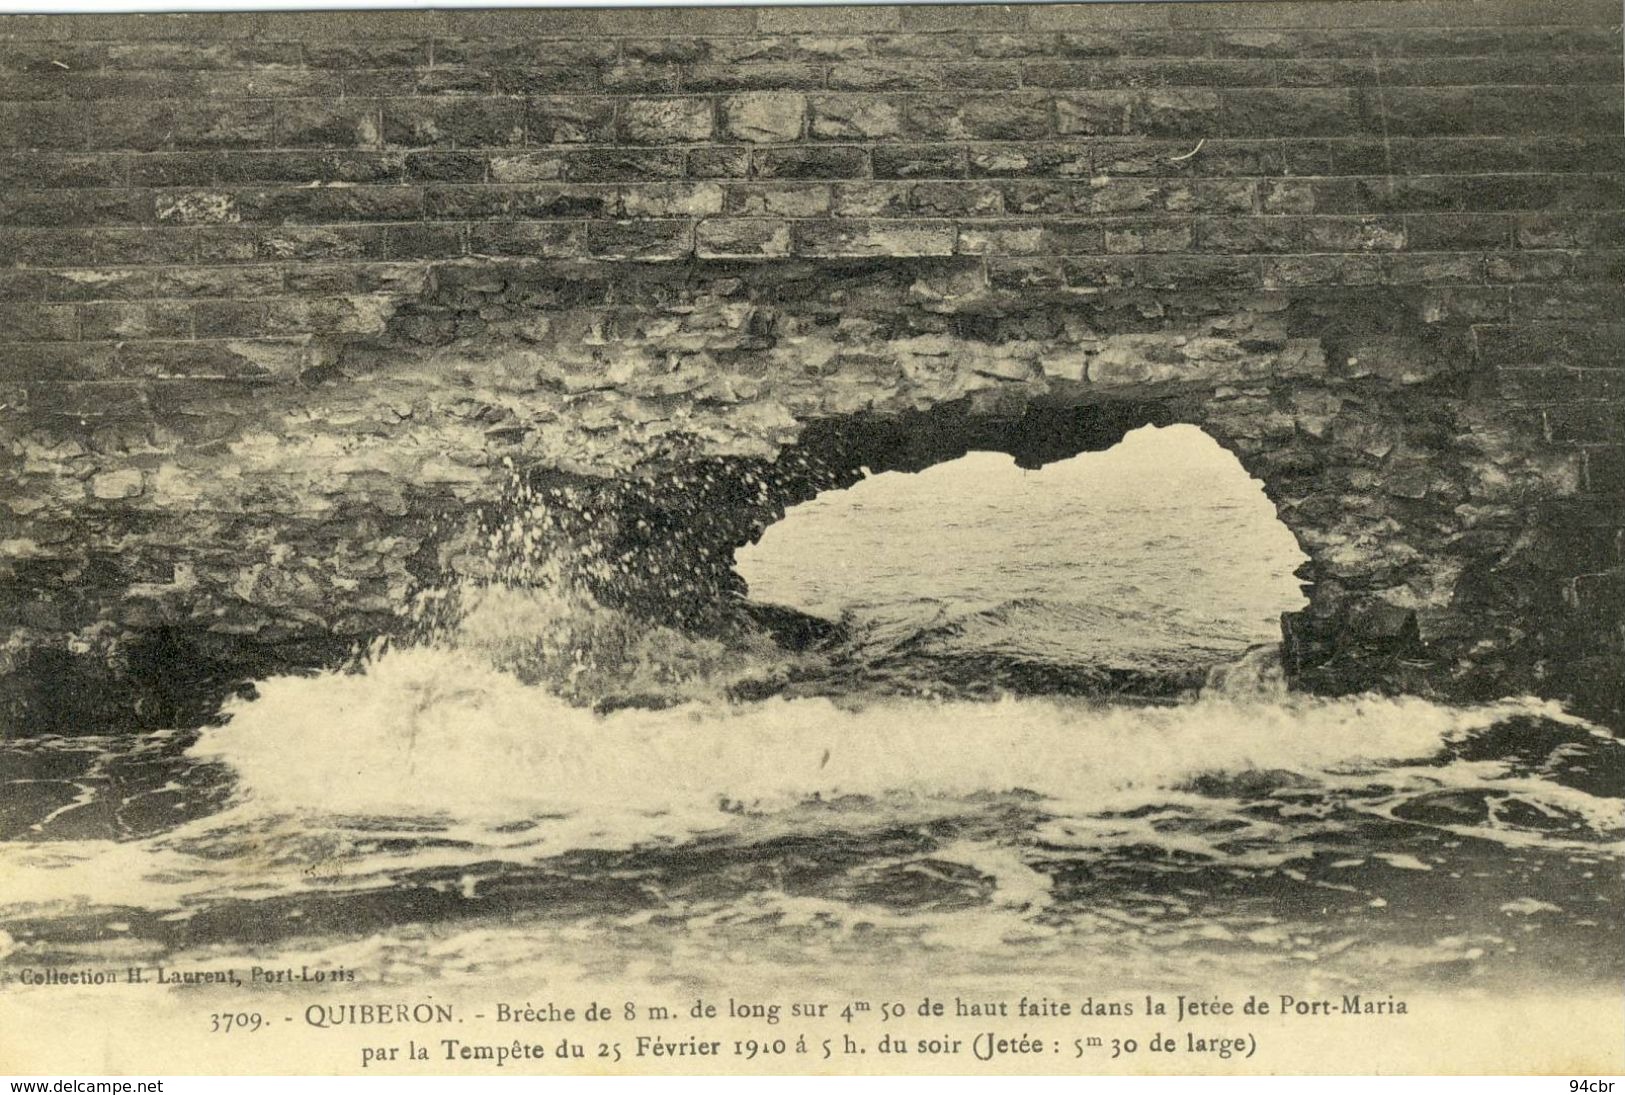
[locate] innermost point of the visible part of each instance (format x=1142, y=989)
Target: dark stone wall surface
x=287, y=300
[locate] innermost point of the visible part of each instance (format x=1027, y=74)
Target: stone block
x=1094, y=113
x=562, y=120
x=623, y=164
x=1149, y=236
x=330, y=205
x=1436, y=268
x=1198, y=156
x=1598, y=302
x=856, y=19
x=463, y=122
x=881, y=198
x=778, y=199
x=1010, y=117
x=718, y=163
x=421, y=241
x=1353, y=234
x=1458, y=232
x=892, y=239
x=1091, y=272
x=156, y=125
x=530, y=239
x=842, y=162
x=51, y=127
x=574, y=79
x=701, y=199
x=1047, y=237
x=640, y=241
x=574, y=202
x=61, y=171
x=1298, y=112
x=345, y=52
x=1172, y=271
x=1571, y=230
x=1016, y=160
x=781, y=77
x=130, y=319
x=854, y=117
x=1529, y=266
x=1545, y=110
x=38, y=322
x=1291, y=271
x=31, y=210
x=523, y=167
x=457, y=167
x=511, y=51
x=665, y=121
x=1251, y=234
x=913, y=161
x=955, y=199
x=1021, y=273
x=751, y=238
x=764, y=117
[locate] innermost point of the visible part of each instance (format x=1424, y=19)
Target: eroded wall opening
x=1132, y=570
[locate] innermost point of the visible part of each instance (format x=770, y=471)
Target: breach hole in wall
x=1131, y=570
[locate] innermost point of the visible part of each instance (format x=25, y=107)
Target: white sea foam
x=432, y=732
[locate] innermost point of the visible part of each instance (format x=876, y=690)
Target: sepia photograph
x=1071, y=538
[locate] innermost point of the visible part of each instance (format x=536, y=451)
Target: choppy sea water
x=941, y=809
x=1146, y=564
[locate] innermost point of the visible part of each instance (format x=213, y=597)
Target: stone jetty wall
x=288, y=300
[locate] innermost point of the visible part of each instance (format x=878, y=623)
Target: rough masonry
x=290, y=302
